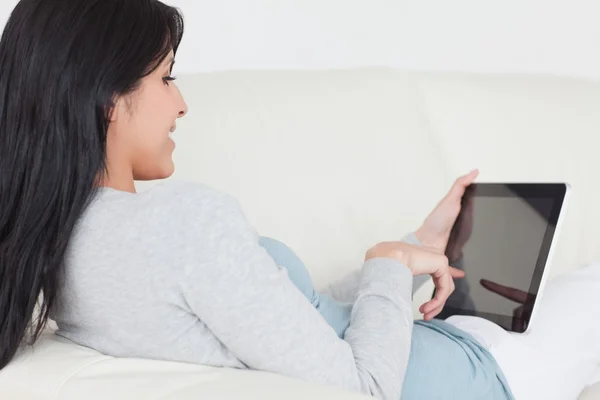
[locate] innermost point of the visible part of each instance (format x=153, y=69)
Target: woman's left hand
x=436, y=228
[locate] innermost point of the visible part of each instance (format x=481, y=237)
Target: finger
x=428, y=261
x=470, y=177
x=444, y=287
x=457, y=273
x=505, y=291
x=431, y=305
x=430, y=313
x=434, y=313
x=427, y=307
x=458, y=189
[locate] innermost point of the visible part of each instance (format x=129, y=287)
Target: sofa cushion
x=58, y=369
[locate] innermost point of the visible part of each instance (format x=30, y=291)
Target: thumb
x=457, y=273
x=458, y=189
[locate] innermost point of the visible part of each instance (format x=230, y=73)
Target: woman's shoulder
x=178, y=188
x=190, y=197
x=195, y=191
x=174, y=200
x=197, y=211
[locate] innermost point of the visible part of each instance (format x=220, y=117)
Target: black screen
x=502, y=235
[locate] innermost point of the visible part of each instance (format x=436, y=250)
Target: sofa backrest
x=334, y=161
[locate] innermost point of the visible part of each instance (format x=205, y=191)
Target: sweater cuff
x=418, y=280
x=388, y=278
x=411, y=238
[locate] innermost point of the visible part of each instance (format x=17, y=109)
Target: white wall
x=535, y=36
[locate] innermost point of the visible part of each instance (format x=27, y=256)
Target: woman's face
x=142, y=124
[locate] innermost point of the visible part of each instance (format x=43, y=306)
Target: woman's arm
x=345, y=289
x=252, y=307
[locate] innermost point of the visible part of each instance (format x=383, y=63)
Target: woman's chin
x=169, y=169
x=165, y=170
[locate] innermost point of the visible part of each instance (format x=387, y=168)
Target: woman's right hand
x=422, y=260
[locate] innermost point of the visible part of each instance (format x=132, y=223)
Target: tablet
x=503, y=239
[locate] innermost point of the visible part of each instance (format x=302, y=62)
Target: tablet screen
x=503, y=236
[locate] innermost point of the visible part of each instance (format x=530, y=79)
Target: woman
x=177, y=272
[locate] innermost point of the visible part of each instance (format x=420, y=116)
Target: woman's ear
x=111, y=114
x=113, y=111
x=120, y=105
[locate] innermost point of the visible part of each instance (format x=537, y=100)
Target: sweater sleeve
x=253, y=308
x=345, y=288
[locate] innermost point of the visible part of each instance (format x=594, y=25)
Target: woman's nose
x=184, y=110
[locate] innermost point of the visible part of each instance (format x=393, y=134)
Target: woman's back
x=177, y=273
x=122, y=291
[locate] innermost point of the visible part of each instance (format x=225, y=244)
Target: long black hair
x=63, y=63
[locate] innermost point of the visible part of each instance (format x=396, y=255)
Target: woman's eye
x=167, y=79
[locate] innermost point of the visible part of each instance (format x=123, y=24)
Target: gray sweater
x=177, y=273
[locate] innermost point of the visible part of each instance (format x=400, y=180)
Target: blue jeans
x=460, y=367
x=337, y=314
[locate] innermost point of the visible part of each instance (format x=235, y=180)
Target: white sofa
x=333, y=162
